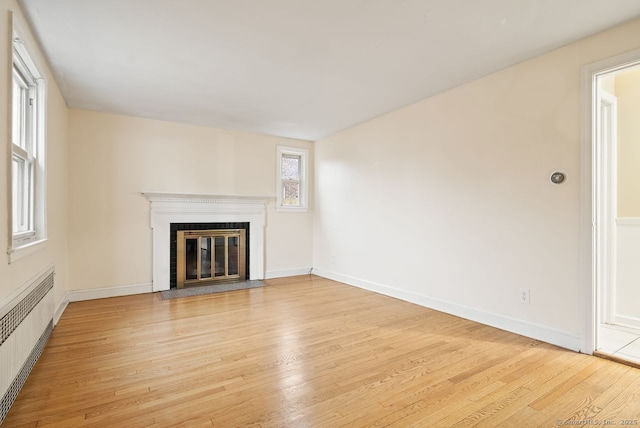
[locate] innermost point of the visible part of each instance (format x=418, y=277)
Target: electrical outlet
x=524, y=296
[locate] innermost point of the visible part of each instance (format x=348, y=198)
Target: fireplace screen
x=206, y=256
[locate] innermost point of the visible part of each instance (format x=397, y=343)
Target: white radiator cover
x=26, y=321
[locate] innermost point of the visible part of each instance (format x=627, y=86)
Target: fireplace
x=209, y=256
x=208, y=253
x=199, y=213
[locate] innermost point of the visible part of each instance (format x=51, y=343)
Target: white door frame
x=605, y=184
x=593, y=222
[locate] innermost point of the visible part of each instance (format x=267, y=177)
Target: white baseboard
x=98, y=293
x=626, y=321
x=102, y=293
x=546, y=334
x=287, y=272
x=127, y=290
x=60, y=309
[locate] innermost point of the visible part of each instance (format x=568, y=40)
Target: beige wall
x=114, y=158
x=627, y=91
x=54, y=251
x=448, y=201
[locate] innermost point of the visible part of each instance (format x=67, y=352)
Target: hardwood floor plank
x=305, y=351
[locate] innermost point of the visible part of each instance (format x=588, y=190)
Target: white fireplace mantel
x=167, y=208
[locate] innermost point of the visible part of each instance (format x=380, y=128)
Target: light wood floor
x=307, y=352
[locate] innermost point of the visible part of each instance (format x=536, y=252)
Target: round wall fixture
x=557, y=177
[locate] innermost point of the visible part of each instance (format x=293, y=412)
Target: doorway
x=615, y=138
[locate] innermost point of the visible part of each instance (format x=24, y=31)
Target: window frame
x=23, y=150
x=27, y=225
x=303, y=154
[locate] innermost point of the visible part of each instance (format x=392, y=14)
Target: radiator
x=26, y=322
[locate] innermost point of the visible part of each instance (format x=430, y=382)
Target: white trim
x=627, y=321
x=304, y=179
x=38, y=207
x=606, y=197
x=586, y=273
x=287, y=272
x=167, y=208
x=628, y=233
x=19, y=294
x=628, y=221
x=590, y=247
x=18, y=253
x=62, y=306
x=195, y=198
x=106, y=292
x=569, y=340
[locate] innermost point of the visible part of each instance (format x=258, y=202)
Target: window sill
x=25, y=250
x=283, y=209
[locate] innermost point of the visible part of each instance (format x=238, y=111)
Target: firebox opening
x=208, y=256
x=208, y=253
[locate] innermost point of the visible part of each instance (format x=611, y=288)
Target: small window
x=27, y=149
x=292, y=185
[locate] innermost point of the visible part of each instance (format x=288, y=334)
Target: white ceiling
x=294, y=68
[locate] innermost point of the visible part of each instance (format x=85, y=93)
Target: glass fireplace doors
x=207, y=256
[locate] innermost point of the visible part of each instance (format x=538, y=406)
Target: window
x=292, y=183
x=290, y=175
x=27, y=150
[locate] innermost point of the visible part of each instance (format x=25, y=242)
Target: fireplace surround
x=168, y=208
